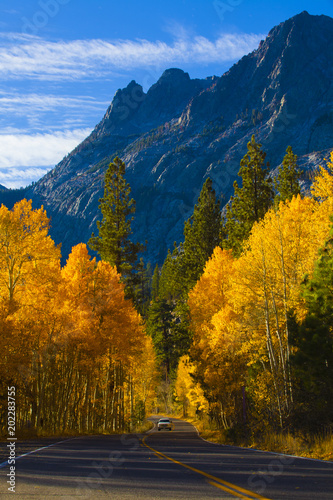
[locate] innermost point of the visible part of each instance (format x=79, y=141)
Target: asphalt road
x=163, y=465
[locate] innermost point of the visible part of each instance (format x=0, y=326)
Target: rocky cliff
x=183, y=130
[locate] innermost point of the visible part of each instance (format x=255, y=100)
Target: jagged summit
x=174, y=75
x=125, y=105
x=182, y=130
x=133, y=111
x=167, y=98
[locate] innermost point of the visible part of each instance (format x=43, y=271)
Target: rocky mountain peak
x=284, y=68
x=167, y=98
x=183, y=130
x=124, y=107
x=173, y=76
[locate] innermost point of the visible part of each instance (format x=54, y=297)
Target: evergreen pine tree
x=169, y=288
x=250, y=202
x=113, y=241
x=181, y=270
x=155, y=283
x=159, y=327
x=169, y=334
x=201, y=236
x=312, y=361
x=287, y=181
x=143, y=287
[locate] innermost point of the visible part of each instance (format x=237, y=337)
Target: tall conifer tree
x=183, y=268
x=155, y=283
x=143, y=287
x=113, y=241
x=159, y=327
x=251, y=201
x=312, y=361
x=166, y=285
x=287, y=182
x=201, y=235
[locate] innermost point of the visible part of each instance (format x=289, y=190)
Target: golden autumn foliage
x=322, y=187
x=219, y=365
x=209, y=294
x=29, y=273
x=281, y=250
x=77, y=351
x=239, y=309
x=144, y=377
x=189, y=393
x=73, y=346
x=24, y=246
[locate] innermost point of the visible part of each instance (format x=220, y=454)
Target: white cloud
x=32, y=57
x=38, y=149
x=21, y=104
x=27, y=156
x=17, y=177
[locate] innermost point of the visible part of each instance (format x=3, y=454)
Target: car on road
x=164, y=423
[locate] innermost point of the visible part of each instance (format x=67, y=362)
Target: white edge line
x=253, y=449
x=151, y=430
x=38, y=449
x=263, y=451
x=3, y=464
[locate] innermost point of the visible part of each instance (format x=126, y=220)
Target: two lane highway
x=242, y=472
x=164, y=465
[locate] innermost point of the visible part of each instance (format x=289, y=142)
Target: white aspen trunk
x=270, y=347
x=282, y=357
x=285, y=304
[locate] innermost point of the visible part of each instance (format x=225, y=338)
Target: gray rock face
x=182, y=131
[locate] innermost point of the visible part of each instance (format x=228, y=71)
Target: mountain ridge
x=183, y=130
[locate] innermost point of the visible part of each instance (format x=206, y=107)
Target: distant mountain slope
x=183, y=130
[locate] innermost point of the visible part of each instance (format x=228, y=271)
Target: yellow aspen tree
x=107, y=333
x=219, y=366
x=84, y=351
x=189, y=393
x=322, y=186
x=322, y=192
x=142, y=379
x=29, y=273
x=281, y=249
x=121, y=332
x=205, y=299
x=24, y=245
x=226, y=371
x=209, y=294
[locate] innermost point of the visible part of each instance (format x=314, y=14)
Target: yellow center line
x=228, y=490
x=236, y=490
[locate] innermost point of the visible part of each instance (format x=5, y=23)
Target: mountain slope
x=183, y=130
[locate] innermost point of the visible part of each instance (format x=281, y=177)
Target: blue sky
x=61, y=61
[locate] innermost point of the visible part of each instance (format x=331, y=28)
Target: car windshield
x=164, y=420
